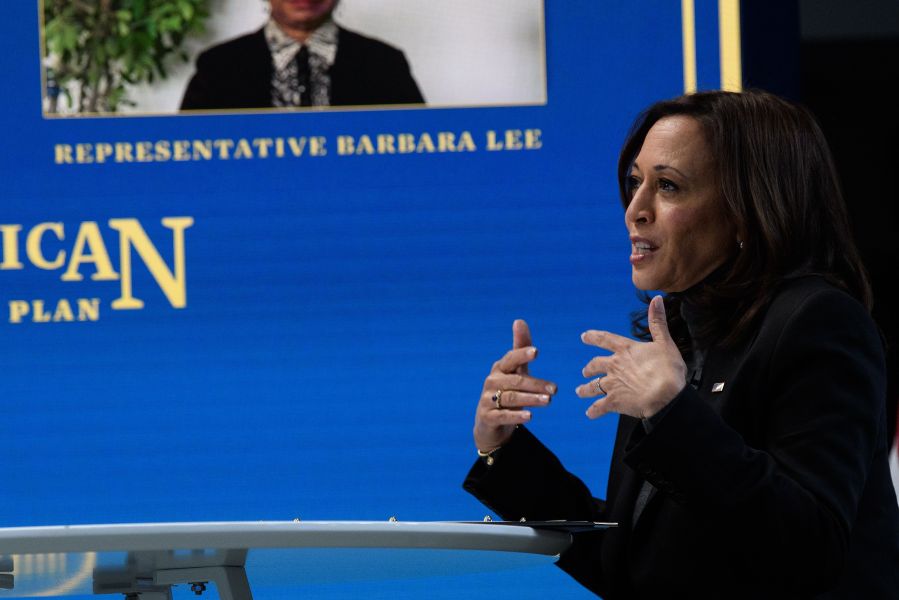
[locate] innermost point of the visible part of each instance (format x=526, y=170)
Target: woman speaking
x=751, y=452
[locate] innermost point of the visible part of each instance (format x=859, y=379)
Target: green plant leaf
x=106, y=47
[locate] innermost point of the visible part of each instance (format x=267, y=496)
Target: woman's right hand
x=515, y=389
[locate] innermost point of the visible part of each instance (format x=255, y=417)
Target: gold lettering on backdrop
x=515, y=139
x=104, y=151
x=88, y=310
x=163, y=150
x=224, y=148
x=144, y=152
x=131, y=234
x=297, y=146
x=40, y=316
x=317, y=146
x=10, y=235
x=123, y=152
x=406, y=143
x=263, y=145
x=63, y=154
x=367, y=144
x=243, y=150
x=202, y=149
x=33, y=246
x=17, y=310
x=63, y=312
x=46, y=249
x=182, y=150
x=84, y=153
x=89, y=237
x=189, y=150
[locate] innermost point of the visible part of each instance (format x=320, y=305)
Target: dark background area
x=839, y=59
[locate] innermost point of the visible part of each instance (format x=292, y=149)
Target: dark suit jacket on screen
x=776, y=487
x=237, y=74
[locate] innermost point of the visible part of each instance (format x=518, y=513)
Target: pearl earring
x=740, y=244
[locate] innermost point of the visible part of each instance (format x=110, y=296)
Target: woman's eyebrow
x=669, y=167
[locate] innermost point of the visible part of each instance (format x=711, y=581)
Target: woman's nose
x=640, y=208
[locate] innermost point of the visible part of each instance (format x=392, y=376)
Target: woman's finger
x=597, y=365
x=519, y=383
x=515, y=399
x=593, y=388
x=521, y=338
x=658, y=322
x=599, y=408
x=498, y=418
x=606, y=340
x=514, y=360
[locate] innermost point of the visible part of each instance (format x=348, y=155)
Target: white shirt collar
x=322, y=43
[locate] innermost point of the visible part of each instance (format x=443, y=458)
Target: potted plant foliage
x=95, y=49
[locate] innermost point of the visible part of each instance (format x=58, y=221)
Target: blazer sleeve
x=790, y=506
x=528, y=481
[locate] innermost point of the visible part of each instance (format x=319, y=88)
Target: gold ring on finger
x=498, y=399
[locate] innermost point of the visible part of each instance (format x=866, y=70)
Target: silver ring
x=597, y=386
x=498, y=399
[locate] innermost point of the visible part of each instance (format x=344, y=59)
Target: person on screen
x=301, y=57
x=751, y=454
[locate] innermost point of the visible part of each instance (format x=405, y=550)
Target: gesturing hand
x=639, y=378
x=514, y=389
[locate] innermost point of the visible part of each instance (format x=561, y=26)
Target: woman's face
x=676, y=218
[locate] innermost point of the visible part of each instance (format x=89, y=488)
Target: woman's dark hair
x=780, y=188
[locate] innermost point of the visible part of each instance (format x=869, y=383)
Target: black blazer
x=237, y=74
x=776, y=487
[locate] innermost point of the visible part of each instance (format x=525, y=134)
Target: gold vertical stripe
x=729, y=40
x=688, y=26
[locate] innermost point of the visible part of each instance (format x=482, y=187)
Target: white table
x=144, y=561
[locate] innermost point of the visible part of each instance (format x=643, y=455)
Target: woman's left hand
x=638, y=378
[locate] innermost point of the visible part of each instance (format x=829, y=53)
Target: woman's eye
x=667, y=186
x=632, y=184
